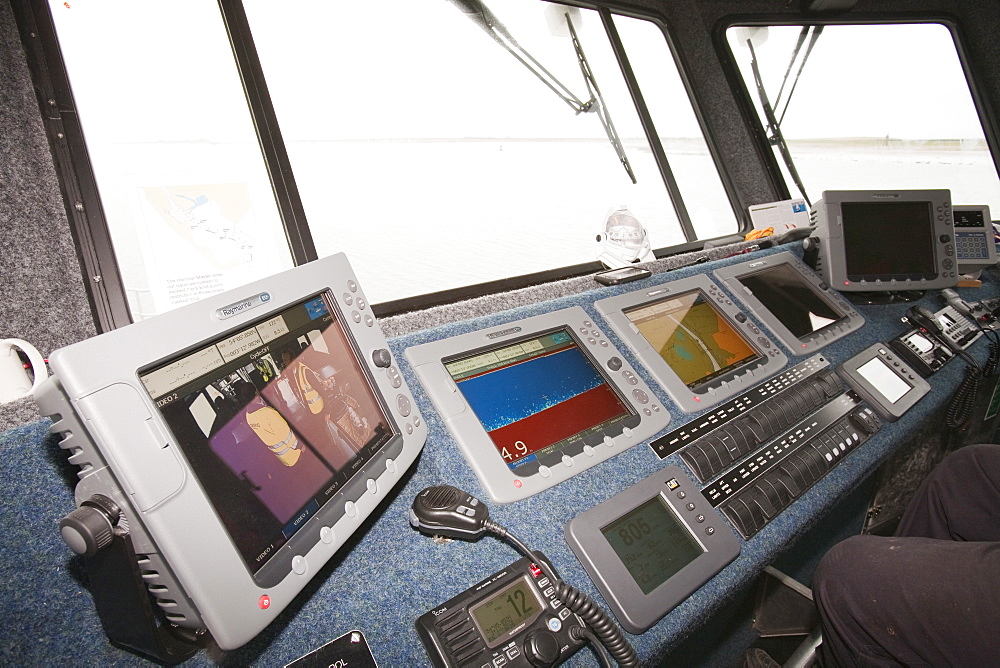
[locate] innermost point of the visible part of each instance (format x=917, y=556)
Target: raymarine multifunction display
x=795, y=304
x=699, y=346
x=245, y=438
x=885, y=240
x=649, y=547
x=536, y=401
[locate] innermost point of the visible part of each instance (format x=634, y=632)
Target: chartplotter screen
x=692, y=337
x=694, y=340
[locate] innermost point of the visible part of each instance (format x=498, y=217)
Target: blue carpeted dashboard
x=390, y=574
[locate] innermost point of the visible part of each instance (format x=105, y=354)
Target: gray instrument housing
x=849, y=321
x=499, y=481
x=635, y=610
x=891, y=369
x=975, y=247
x=771, y=358
x=114, y=432
x=827, y=217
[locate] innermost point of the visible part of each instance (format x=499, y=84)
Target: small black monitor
x=885, y=240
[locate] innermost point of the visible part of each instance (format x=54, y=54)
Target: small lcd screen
x=507, y=612
x=274, y=419
x=652, y=543
x=884, y=379
x=889, y=239
x=693, y=337
x=969, y=218
x=793, y=300
x=537, y=396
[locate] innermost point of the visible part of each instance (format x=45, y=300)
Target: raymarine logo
x=756, y=264
x=503, y=332
x=885, y=196
x=240, y=306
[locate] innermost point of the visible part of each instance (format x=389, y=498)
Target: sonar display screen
x=537, y=396
x=791, y=299
x=695, y=339
x=274, y=420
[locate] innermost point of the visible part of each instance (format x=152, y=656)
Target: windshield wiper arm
x=481, y=15
x=598, y=99
x=817, y=31
x=774, y=127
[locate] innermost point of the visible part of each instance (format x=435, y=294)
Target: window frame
x=89, y=226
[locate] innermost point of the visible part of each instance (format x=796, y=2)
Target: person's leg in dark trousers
x=931, y=594
x=960, y=499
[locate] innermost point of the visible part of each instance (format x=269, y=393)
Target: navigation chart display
x=694, y=340
x=692, y=337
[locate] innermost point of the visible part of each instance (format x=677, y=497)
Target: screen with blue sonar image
x=537, y=396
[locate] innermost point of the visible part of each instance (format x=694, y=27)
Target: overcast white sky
x=418, y=68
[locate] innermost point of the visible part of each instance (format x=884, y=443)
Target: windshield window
x=439, y=144
x=867, y=107
x=443, y=144
x=173, y=148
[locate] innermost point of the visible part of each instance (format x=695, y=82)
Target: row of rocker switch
x=715, y=452
x=774, y=491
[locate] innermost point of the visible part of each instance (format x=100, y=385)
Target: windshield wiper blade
x=774, y=127
x=596, y=98
x=481, y=15
x=817, y=31
x=791, y=63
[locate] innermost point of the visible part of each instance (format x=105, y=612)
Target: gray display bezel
x=637, y=611
x=771, y=358
x=886, y=409
x=850, y=320
x=133, y=457
x=832, y=261
x=475, y=444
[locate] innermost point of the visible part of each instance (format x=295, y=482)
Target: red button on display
x=264, y=602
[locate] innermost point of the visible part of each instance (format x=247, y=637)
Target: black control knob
x=382, y=358
x=541, y=648
x=90, y=528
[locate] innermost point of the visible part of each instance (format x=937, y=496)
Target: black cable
x=607, y=631
x=963, y=401
x=604, y=627
x=990, y=368
x=583, y=633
